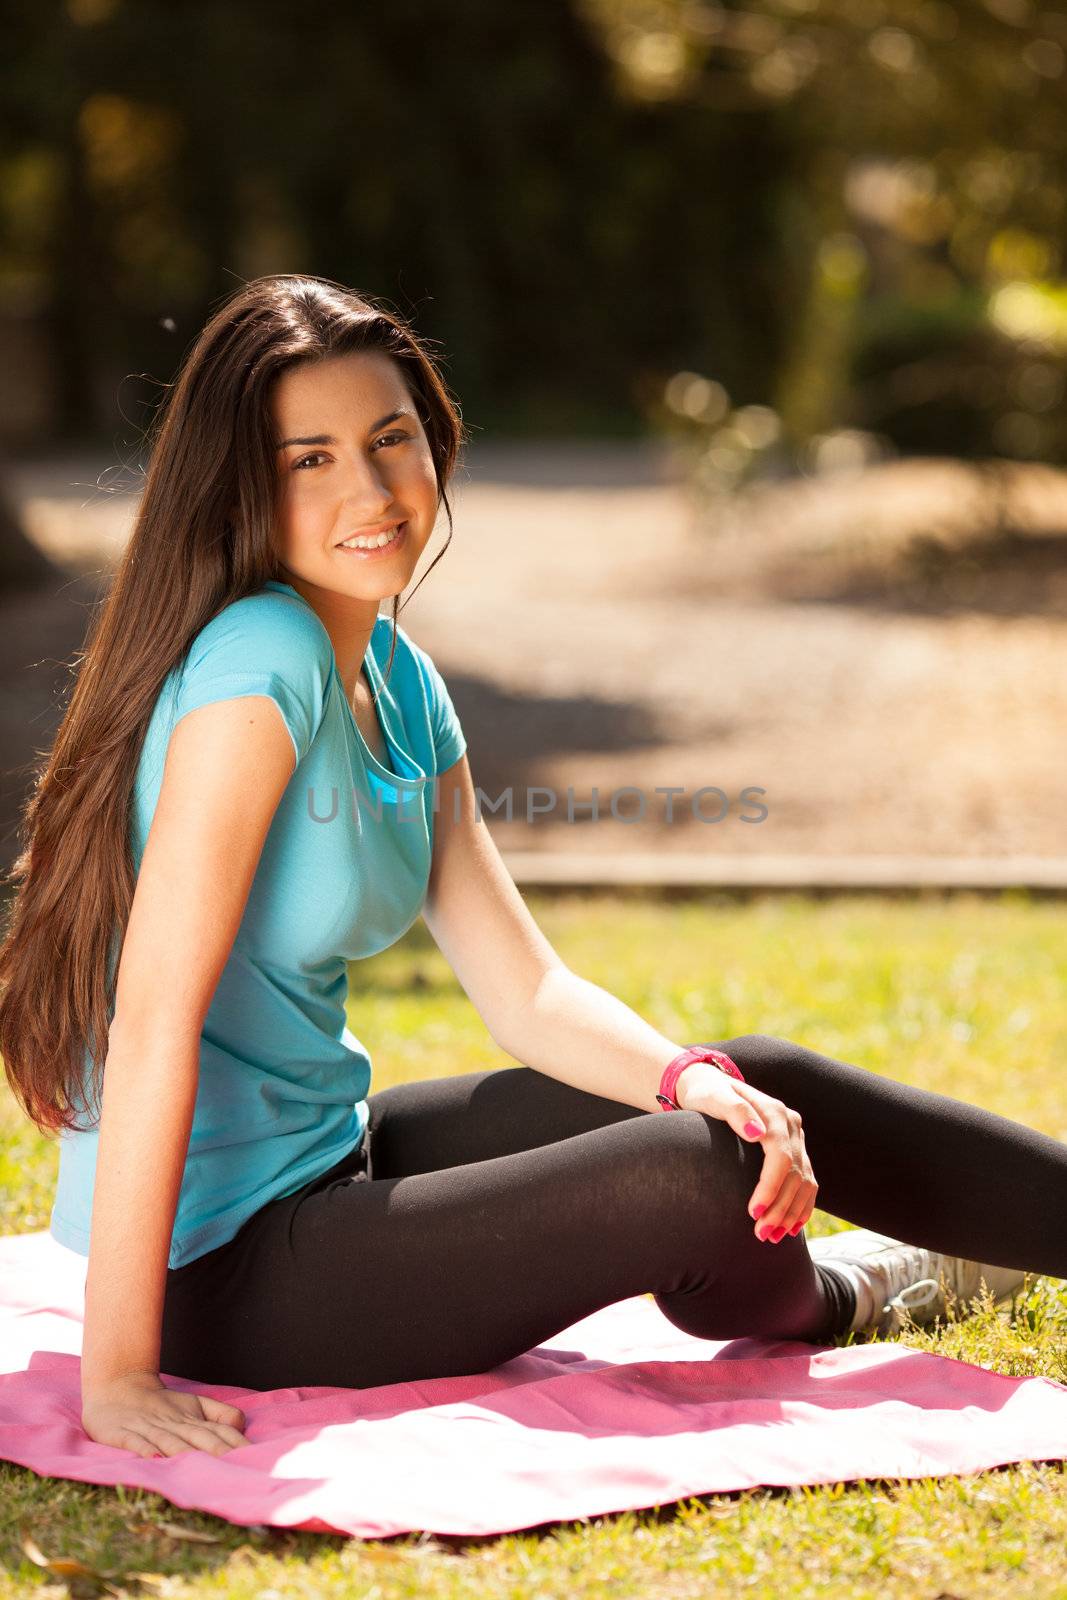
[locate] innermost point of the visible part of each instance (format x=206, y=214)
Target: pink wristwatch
x=674, y=1069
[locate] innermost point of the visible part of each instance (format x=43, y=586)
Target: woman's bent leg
x=506, y=1205
x=456, y=1269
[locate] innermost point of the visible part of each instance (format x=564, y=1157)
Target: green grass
x=964, y=995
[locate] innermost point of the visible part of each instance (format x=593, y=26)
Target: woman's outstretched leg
x=919, y=1166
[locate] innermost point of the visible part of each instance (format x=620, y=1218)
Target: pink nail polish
x=779, y=1233
x=798, y=1228
x=761, y=1233
x=757, y=1212
x=753, y=1130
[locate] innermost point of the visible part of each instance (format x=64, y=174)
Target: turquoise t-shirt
x=343, y=874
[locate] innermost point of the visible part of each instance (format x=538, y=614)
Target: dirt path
x=595, y=631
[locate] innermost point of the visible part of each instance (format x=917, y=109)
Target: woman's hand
x=784, y=1198
x=136, y=1411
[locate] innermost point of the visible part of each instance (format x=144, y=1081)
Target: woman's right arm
x=227, y=766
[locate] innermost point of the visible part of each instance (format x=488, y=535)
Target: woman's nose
x=366, y=488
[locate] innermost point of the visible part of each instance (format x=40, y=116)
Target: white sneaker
x=895, y=1282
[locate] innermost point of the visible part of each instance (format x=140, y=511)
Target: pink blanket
x=619, y=1412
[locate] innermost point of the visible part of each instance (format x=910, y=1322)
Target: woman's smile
x=369, y=550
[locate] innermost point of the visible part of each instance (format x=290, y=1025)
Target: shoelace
x=915, y=1296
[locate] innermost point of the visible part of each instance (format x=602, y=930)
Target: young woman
x=258, y=779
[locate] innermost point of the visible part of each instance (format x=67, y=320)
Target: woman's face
x=353, y=461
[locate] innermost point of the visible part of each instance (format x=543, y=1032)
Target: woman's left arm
x=546, y=1016
x=534, y=1006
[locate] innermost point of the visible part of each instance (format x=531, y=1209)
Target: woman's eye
x=316, y=455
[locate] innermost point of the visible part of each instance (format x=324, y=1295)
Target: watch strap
x=665, y=1095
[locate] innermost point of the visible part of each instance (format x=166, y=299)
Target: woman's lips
x=378, y=550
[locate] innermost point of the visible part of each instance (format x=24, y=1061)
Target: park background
x=757, y=315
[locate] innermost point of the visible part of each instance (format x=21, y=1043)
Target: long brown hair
x=202, y=538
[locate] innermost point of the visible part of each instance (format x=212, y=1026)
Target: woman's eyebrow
x=328, y=438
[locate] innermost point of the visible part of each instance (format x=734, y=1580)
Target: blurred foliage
x=473, y=164
x=921, y=221
x=845, y=218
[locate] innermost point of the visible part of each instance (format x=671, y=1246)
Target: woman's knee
x=709, y=1172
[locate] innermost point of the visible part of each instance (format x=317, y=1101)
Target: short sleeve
x=262, y=644
x=449, y=741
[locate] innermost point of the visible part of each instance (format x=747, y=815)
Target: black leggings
x=486, y=1212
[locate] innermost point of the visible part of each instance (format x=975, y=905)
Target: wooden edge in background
x=680, y=872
